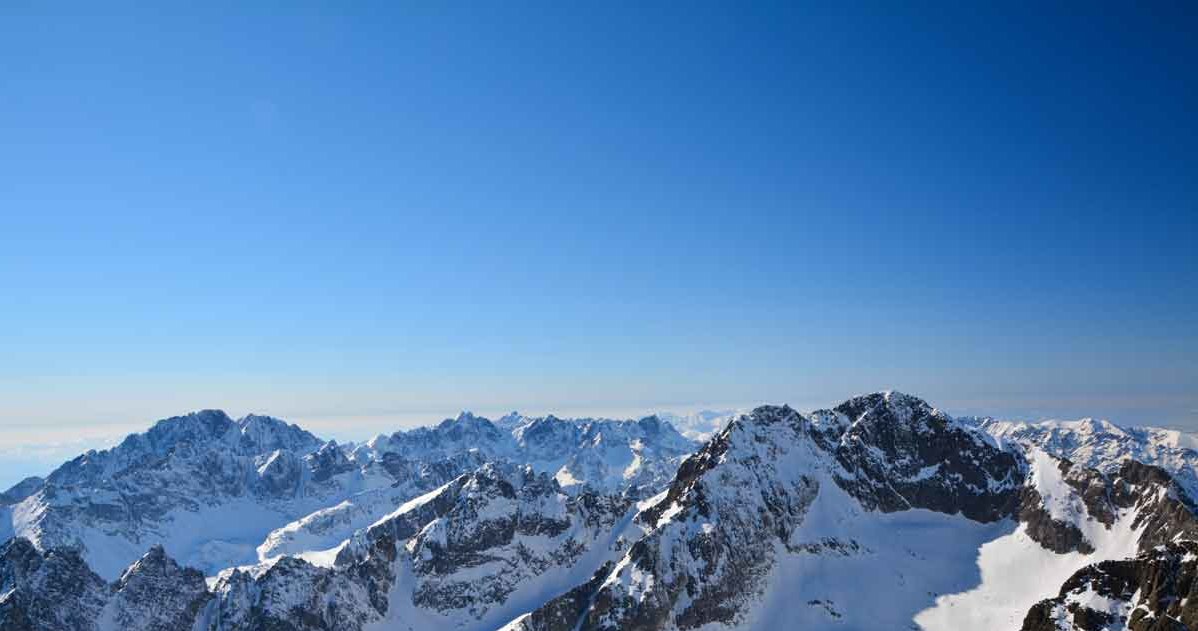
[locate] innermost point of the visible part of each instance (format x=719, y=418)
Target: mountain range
x=882, y=512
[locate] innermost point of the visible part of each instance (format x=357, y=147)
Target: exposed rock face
x=505, y=529
x=1057, y=535
x=155, y=594
x=293, y=594
x=1155, y=591
x=1163, y=512
x=54, y=591
x=566, y=610
x=901, y=453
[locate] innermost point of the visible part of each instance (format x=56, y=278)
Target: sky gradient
x=370, y=219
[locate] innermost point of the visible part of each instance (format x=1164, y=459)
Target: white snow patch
x=1017, y=572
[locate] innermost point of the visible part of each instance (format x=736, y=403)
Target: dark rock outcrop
x=51, y=591
x=1054, y=534
x=1156, y=591
x=902, y=454
x=156, y=594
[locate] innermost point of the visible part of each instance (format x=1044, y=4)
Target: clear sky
x=363, y=217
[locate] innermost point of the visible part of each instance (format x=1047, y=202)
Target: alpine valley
x=880, y=513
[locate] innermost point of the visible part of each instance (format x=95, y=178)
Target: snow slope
x=1003, y=594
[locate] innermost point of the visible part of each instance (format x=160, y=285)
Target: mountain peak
x=21, y=490
x=764, y=415
x=466, y=418
x=510, y=420
x=251, y=419
x=651, y=424
x=208, y=423
x=889, y=407
x=1099, y=426
x=267, y=433
x=152, y=561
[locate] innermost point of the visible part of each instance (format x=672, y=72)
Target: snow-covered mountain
x=1103, y=445
x=882, y=512
x=217, y=492
x=631, y=458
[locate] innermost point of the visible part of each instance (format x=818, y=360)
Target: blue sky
x=370, y=216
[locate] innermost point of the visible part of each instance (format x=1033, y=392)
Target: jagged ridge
x=879, y=512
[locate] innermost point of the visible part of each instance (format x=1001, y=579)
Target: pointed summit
x=889, y=405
